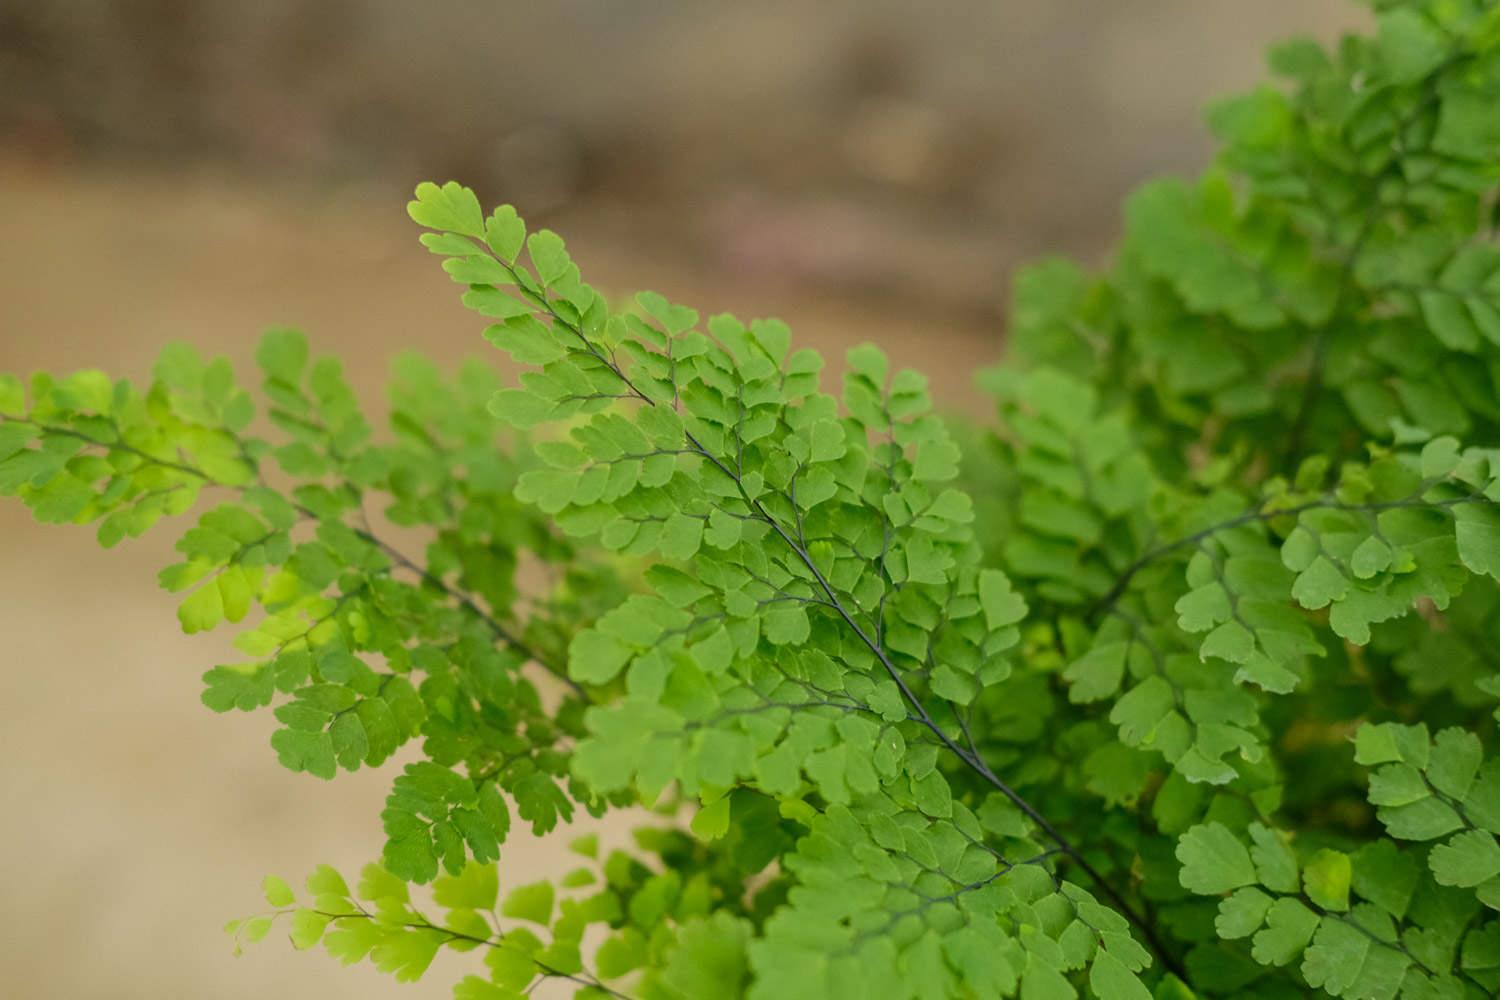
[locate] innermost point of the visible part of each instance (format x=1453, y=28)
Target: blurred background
x=199, y=170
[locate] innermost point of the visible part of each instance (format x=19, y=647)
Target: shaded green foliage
x=1179, y=681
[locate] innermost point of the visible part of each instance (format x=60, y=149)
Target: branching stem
x=1260, y=513
x=495, y=626
x=970, y=759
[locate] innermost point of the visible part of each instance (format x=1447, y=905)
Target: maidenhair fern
x=1178, y=682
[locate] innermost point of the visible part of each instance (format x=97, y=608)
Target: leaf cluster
x=1177, y=679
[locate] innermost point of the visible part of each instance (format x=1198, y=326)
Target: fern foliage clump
x=1177, y=679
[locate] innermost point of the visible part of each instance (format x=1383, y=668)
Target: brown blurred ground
x=175, y=170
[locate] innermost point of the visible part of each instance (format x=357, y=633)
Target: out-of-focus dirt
x=858, y=146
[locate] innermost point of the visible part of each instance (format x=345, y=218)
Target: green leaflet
x=1214, y=860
